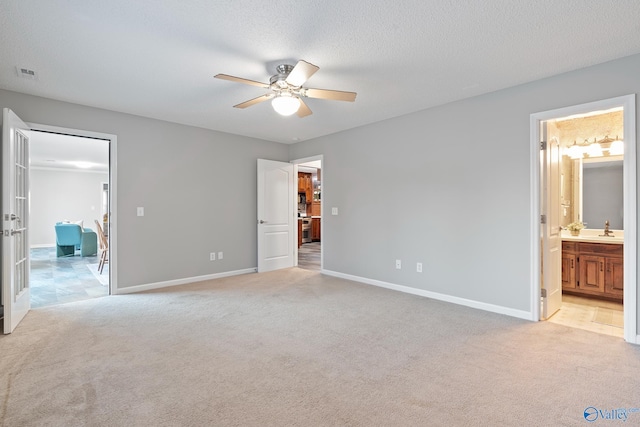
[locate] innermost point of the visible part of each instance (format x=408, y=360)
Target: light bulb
x=285, y=104
x=616, y=148
x=575, y=152
x=594, y=150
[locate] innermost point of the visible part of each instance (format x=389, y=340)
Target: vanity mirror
x=596, y=193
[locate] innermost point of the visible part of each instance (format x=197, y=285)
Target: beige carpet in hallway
x=295, y=348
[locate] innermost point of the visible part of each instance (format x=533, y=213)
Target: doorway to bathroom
x=584, y=204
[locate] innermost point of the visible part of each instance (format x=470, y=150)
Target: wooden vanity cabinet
x=614, y=277
x=591, y=274
x=569, y=266
x=594, y=269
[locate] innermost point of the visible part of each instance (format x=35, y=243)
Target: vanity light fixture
x=615, y=147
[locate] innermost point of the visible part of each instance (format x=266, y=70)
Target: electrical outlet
x=398, y=264
x=334, y=211
x=220, y=255
x=419, y=267
x=212, y=256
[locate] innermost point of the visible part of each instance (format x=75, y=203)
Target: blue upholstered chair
x=72, y=237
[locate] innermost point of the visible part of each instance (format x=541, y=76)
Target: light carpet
x=296, y=348
x=102, y=278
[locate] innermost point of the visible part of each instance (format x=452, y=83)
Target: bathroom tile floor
x=603, y=317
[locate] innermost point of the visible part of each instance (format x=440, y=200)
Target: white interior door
x=276, y=215
x=551, y=238
x=15, y=220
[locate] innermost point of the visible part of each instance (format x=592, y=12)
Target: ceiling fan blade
x=255, y=101
x=336, y=95
x=301, y=73
x=241, y=80
x=303, y=111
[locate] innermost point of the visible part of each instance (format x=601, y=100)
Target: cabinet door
x=568, y=271
x=614, y=277
x=592, y=274
x=315, y=229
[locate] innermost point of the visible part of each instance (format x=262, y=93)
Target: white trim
x=185, y=281
x=628, y=102
x=42, y=245
x=433, y=295
x=44, y=168
x=113, y=174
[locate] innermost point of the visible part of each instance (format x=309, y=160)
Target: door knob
x=262, y=222
x=14, y=217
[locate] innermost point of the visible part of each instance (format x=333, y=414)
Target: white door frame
x=628, y=102
x=113, y=223
x=295, y=171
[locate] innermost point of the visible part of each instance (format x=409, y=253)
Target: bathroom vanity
x=592, y=265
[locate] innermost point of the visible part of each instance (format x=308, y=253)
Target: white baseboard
x=43, y=245
x=434, y=295
x=158, y=285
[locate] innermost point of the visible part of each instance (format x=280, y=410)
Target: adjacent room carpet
x=296, y=348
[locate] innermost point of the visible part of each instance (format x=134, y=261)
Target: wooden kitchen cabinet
x=593, y=269
x=316, y=208
x=299, y=233
x=315, y=229
x=305, y=185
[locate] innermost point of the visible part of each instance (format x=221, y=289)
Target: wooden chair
x=104, y=247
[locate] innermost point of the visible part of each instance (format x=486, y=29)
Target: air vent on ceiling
x=26, y=73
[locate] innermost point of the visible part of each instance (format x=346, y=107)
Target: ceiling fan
x=286, y=91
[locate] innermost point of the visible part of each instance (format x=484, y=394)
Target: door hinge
x=543, y=293
x=543, y=145
x=543, y=219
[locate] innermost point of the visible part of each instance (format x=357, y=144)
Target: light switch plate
x=140, y=211
x=334, y=211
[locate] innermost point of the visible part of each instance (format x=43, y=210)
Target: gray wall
x=198, y=188
x=58, y=195
x=448, y=187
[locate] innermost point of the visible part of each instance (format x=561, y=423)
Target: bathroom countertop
x=594, y=236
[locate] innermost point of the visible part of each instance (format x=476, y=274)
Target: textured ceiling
x=158, y=58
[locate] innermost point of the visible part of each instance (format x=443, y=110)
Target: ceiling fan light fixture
x=285, y=104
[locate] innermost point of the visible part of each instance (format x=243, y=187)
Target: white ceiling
x=50, y=150
x=157, y=58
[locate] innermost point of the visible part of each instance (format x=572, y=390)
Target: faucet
x=607, y=232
